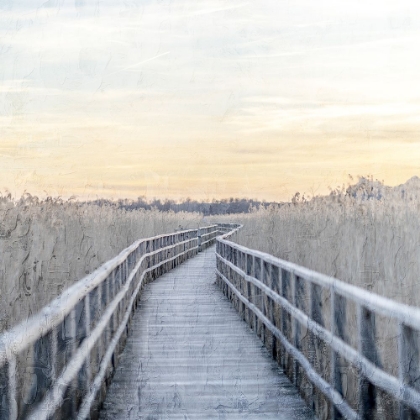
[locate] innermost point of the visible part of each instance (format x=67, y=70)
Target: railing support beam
x=70, y=338
x=292, y=302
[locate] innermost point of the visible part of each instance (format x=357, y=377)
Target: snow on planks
x=189, y=356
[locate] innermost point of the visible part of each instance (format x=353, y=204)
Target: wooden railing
x=58, y=363
x=323, y=332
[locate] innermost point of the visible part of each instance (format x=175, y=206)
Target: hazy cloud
x=201, y=93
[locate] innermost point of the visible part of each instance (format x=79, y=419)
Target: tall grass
x=366, y=234
x=47, y=245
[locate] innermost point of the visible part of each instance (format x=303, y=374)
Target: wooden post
x=85, y=377
x=266, y=279
x=408, y=363
x=367, y=347
x=235, y=279
x=8, y=398
x=199, y=240
x=285, y=316
x=257, y=293
x=295, y=327
x=69, y=406
x=338, y=311
x=249, y=264
x=311, y=344
x=244, y=285
x=275, y=286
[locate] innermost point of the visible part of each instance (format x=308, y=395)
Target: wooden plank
x=190, y=356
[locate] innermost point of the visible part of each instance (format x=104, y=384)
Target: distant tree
x=214, y=207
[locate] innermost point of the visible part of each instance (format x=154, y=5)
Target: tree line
x=214, y=207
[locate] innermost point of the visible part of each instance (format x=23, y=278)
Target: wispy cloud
x=209, y=11
x=148, y=86
x=139, y=63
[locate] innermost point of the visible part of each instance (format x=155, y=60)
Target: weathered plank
x=190, y=356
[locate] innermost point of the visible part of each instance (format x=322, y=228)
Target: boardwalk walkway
x=190, y=356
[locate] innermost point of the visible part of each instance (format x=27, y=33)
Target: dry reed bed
x=372, y=243
x=367, y=235
x=45, y=246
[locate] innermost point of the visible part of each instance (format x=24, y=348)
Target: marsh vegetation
x=47, y=245
x=366, y=234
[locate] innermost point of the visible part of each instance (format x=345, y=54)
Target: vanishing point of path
x=190, y=356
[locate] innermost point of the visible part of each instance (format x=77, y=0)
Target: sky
x=207, y=99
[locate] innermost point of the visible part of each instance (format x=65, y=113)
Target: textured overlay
x=189, y=356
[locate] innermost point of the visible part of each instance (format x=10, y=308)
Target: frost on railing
x=323, y=333
x=58, y=363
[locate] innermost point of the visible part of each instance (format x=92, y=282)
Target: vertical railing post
x=237, y=281
x=408, y=363
x=249, y=263
x=301, y=295
x=226, y=289
x=367, y=348
x=165, y=253
x=254, y=294
x=266, y=279
x=231, y=275
x=4, y=391
x=337, y=311
x=285, y=317
x=226, y=269
x=257, y=293
x=311, y=342
x=333, y=354
x=316, y=346
x=98, y=315
x=44, y=357
x=340, y=316
x=73, y=348
x=243, y=283
x=104, y=303
x=275, y=286
x=199, y=240
x=218, y=265
x=68, y=331
x=8, y=400
x=295, y=327
x=86, y=377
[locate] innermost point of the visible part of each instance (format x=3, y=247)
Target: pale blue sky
x=207, y=98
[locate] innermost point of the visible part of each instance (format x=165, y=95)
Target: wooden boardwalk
x=190, y=356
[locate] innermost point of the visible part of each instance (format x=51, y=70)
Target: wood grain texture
x=189, y=356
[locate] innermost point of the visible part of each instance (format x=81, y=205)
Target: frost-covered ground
x=45, y=246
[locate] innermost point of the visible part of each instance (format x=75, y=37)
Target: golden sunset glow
x=207, y=99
